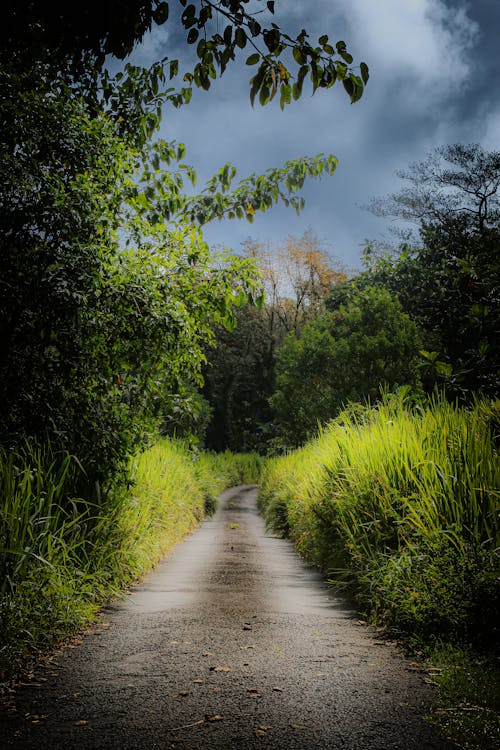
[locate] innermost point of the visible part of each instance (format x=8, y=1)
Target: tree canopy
x=453, y=180
x=110, y=296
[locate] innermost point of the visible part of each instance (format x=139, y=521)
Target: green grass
x=401, y=506
x=61, y=558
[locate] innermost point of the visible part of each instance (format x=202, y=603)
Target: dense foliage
x=240, y=377
x=343, y=357
x=400, y=504
x=109, y=294
x=423, y=314
x=60, y=561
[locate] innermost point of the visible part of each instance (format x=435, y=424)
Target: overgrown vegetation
x=63, y=557
x=401, y=505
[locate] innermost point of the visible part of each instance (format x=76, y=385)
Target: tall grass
x=61, y=558
x=400, y=505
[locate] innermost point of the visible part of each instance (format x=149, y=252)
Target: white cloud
x=422, y=41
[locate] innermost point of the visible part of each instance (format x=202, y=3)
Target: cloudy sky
x=435, y=73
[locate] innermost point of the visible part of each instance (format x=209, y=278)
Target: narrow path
x=231, y=643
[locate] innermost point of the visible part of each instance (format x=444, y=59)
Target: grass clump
x=401, y=505
x=62, y=557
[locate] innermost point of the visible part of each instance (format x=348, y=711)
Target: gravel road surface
x=230, y=643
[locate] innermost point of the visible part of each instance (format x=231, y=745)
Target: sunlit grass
x=61, y=558
x=402, y=506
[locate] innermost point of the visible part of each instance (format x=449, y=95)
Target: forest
x=142, y=373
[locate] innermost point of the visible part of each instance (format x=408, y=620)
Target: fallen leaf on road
x=207, y=653
x=80, y=723
x=198, y=682
x=263, y=727
x=252, y=690
x=187, y=726
x=278, y=689
x=247, y=626
x=217, y=717
x=220, y=669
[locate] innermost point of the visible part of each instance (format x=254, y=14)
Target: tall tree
x=453, y=180
x=342, y=357
x=447, y=277
x=240, y=376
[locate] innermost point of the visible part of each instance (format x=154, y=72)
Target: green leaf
x=253, y=59
x=285, y=95
x=270, y=6
x=160, y=13
x=346, y=56
x=364, y=72
x=240, y=38
x=174, y=68
x=349, y=87
x=298, y=56
x=264, y=95
x=192, y=36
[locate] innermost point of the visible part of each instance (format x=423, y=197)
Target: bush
x=61, y=557
x=400, y=505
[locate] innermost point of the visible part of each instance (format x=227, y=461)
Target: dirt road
x=230, y=643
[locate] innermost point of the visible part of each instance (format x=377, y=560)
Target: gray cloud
x=434, y=74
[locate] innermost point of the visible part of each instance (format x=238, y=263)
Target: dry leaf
x=80, y=723
x=198, y=681
x=187, y=726
x=220, y=669
x=252, y=690
x=278, y=689
x=217, y=717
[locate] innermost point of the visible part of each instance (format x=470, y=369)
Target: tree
x=297, y=276
x=453, y=180
x=239, y=380
x=220, y=29
x=449, y=285
x=240, y=376
x=110, y=296
x=447, y=277
x=341, y=357
x=100, y=341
